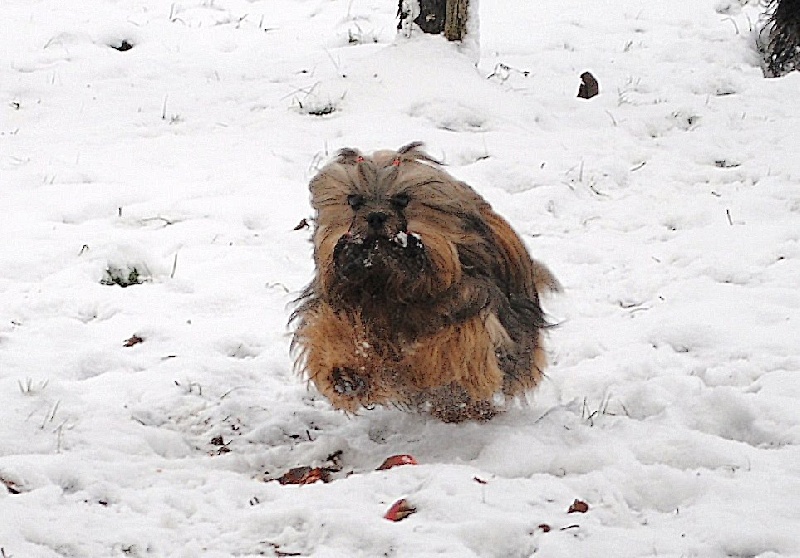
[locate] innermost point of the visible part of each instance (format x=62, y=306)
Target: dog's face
x=378, y=247
x=390, y=225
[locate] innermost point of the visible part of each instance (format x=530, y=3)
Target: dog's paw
x=347, y=383
x=452, y=403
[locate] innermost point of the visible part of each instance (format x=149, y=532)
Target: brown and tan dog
x=423, y=297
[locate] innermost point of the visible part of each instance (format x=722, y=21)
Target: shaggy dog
x=782, y=49
x=423, y=297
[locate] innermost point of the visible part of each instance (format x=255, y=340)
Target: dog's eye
x=400, y=201
x=355, y=201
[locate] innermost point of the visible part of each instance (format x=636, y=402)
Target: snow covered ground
x=669, y=207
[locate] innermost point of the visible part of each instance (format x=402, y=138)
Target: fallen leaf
x=305, y=475
x=396, y=461
x=134, y=340
x=545, y=527
x=578, y=506
x=399, y=510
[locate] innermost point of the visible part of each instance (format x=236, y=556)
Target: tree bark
x=455, y=23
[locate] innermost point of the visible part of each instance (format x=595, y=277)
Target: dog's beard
x=379, y=265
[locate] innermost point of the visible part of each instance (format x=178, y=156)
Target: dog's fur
x=423, y=297
x=782, y=48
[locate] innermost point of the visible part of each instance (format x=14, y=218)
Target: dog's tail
x=544, y=280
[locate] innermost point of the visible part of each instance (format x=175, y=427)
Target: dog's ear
x=413, y=146
x=413, y=152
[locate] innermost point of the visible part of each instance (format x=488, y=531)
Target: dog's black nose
x=376, y=220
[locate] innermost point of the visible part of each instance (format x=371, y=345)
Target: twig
x=50, y=416
x=735, y=26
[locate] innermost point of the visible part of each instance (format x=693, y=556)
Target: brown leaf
x=303, y=224
x=134, y=340
x=396, y=461
x=578, y=506
x=545, y=527
x=305, y=475
x=399, y=510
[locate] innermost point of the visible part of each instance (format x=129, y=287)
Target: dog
x=423, y=297
x=781, y=49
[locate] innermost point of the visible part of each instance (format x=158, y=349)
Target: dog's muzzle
x=375, y=256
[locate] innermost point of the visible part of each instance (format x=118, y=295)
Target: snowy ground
x=668, y=206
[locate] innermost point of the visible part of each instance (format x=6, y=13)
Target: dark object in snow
x=11, y=486
x=431, y=16
x=589, y=87
x=399, y=510
x=123, y=46
x=448, y=17
x=396, y=461
x=578, y=506
x=781, y=48
x=222, y=447
x=423, y=298
x=322, y=110
x=123, y=277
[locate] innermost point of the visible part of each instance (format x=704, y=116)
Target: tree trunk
x=455, y=23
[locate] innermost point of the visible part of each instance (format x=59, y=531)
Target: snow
x=667, y=206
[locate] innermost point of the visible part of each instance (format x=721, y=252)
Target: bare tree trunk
x=455, y=26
